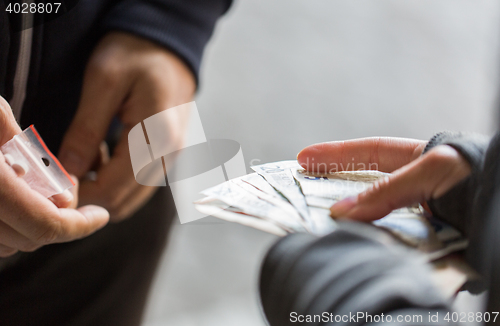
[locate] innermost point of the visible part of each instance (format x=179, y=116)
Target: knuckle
x=107, y=73
x=155, y=76
x=442, y=156
x=7, y=252
x=28, y=246
x=48, y=234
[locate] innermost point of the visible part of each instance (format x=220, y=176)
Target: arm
x=146, y=62
x=346, y=270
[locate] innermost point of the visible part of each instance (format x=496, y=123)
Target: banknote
x=287, y=208
x=279, y=175
x=323, y=190
x=212, y=206
x=235, y=196
x=286, y=196
x=260, y=183
x=335, y=186
x=282, y=198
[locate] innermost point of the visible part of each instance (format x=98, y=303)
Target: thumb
x=69, y=198
x=8, y=125
x=430, y=176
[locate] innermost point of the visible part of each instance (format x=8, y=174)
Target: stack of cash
x=282, y=198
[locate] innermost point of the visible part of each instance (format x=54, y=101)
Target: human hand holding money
x=414, y=178
x=283, y=197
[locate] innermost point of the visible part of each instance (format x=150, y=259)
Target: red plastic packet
x=28, y=154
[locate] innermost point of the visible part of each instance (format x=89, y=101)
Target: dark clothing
x=103, y=279
x=351, y=271
x=62, y=47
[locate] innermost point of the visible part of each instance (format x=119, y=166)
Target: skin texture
x=27, y=219
x=133, y=79
x=414, y=178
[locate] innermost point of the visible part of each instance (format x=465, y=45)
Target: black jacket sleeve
x=470, y=205
x=456, y=206
x=346, y=277
x=183, y=26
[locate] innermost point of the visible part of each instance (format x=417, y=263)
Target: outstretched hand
x=414, y=178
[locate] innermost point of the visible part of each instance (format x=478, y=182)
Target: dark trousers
x=100, y=280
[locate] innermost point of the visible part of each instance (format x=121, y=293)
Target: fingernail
x=66, y=196
x=72, y=162
x=342, y=207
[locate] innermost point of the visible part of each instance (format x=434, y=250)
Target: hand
x=133, y=79
x=414, y=178
x=27, y=219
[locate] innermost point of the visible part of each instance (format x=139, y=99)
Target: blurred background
x=282, y=74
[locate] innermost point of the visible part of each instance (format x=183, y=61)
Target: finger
x=74, y=192
x=68, y=198
x=430, y=176
x=79, y=223
x=384, y=154
x=63, y=200
x=102, y=94
x=38, y=219
x=8, y=125
x=114, y=182
x=6, y=251
x=115, y=187
x=101, y=159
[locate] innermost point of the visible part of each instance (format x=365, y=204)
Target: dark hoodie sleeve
x=483, y=220
x=456, y=206
x=465, y=205
x=356, y=271
x=183, y=26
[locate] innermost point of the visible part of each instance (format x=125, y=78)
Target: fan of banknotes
x=282, y=198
